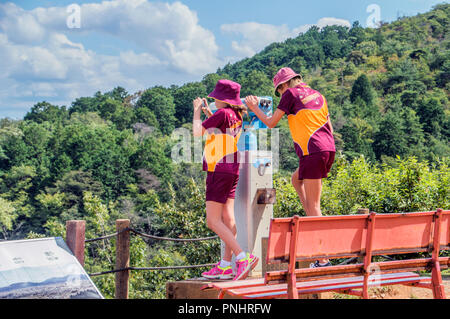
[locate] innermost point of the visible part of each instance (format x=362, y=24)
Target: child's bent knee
x=211, y=223
x=229, y=221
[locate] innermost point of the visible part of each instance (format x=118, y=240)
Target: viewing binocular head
x=265, y=103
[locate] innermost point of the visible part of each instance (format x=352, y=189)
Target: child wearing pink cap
x=220, y=161
x=312, y=132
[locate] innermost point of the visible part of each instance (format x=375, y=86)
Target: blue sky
x=141, y=43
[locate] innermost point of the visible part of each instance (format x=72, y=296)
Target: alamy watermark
x=73, y=20
x=190, y=149
x=374, y=19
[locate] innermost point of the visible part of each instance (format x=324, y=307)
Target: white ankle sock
x=224, y=263
x=242, y=255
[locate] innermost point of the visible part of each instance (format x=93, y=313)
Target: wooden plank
x=356, y=269
x=279, y=290
x=324, y=283
x=403, y=231
x=310, y=273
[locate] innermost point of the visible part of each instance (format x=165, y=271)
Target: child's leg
x=300, y=189
x=229, y=221
x=214, y=221
x=313, y=190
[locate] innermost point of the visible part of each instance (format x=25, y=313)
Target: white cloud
x=323, y=22
x=20, y=26
x=42, y=59
x=169, y=32
x=256, y=36
x=39, y=60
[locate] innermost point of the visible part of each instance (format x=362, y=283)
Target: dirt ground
x=422, y=293
x=397, y=292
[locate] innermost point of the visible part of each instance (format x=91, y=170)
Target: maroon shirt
x=223, y=131
x=307, y=112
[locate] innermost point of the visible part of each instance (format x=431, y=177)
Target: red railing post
x=436, y=277
x=75, y=236
x=291, y=277
x=368, y=254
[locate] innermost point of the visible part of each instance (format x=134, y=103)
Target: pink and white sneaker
x=218, y=272
x=244, y=266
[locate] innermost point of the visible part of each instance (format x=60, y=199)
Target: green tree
x=356, y=33
x=431, y=114
x=44, y=111
x=87, y=104
x=390, y=140
x=330, y=43
x=7, y=216
x=102, y=151
x=414, y=133
x=362, y=89
x=16, y=188
x=153, y=155
x=183, y=97
x=256, y=83
x=357, y=57
x=118, y=94
x=64, y=199
x=147, y=117
x=357, y=136
x=159, y=101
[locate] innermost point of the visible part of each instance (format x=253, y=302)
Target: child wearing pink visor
x=220, y=161
x=312, y=133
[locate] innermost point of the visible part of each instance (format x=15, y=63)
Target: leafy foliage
x=108, y=156
x=405, y=186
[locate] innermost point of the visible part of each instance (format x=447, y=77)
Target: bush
x=404, y=186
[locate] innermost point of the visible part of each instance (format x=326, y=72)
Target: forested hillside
x=108, y=156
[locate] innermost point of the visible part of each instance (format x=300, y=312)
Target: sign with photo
x=42, y=268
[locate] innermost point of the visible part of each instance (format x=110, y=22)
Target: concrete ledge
x=191, y=289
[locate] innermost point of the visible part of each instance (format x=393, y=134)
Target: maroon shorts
x=315, y=166
x=220, y=186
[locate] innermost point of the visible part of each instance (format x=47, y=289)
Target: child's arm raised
x=252, y=103
x=197, y=128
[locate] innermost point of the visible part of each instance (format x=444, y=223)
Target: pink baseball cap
x=282, y=76
x=227, y=91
